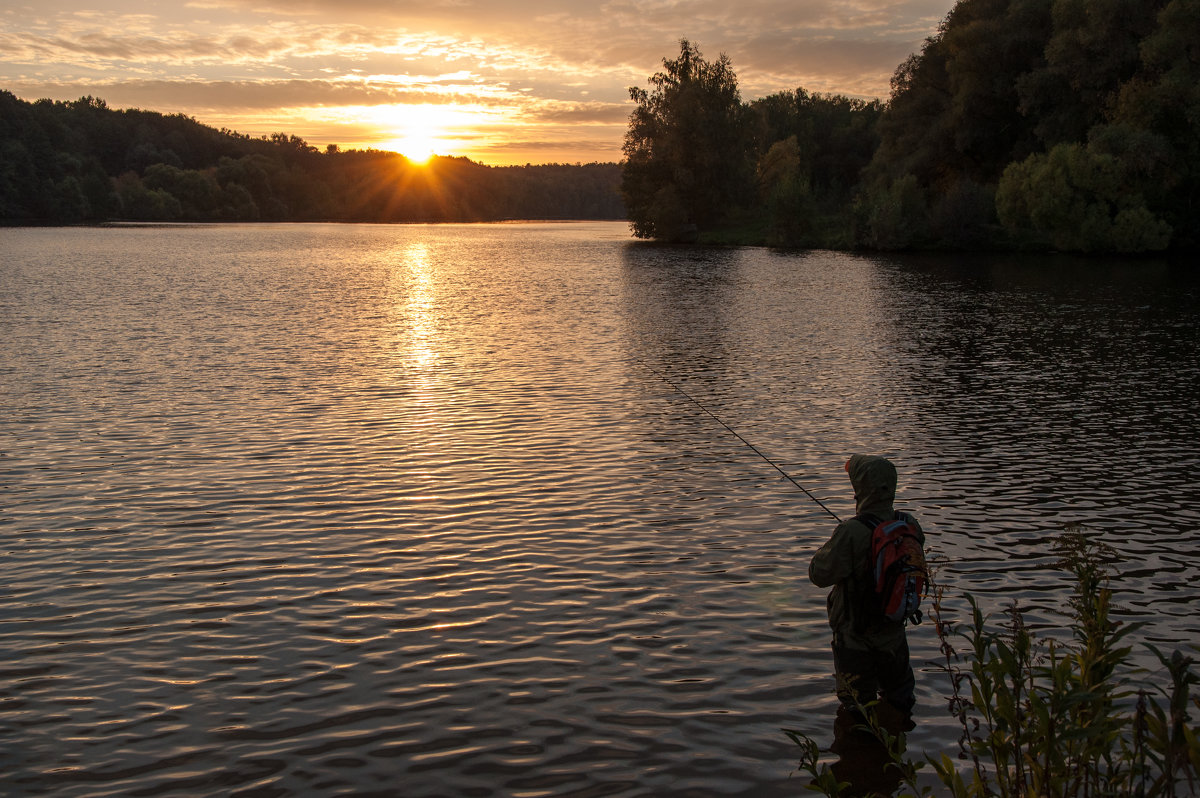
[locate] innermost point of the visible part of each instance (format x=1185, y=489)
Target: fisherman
x=870, y=651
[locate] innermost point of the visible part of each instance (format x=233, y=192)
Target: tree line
x=1021, y=124
x=81, y=161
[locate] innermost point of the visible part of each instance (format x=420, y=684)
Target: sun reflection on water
x=415, y=280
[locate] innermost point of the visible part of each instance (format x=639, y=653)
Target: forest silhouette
x=81, y=161
x=1067, y=125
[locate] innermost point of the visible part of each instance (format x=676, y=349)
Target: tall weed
x=1044, y=717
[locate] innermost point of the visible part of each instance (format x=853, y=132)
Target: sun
x=418, y=132
x=418, y=148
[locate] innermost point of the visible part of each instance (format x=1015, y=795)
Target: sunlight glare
x=414, y=282
x=418, y=131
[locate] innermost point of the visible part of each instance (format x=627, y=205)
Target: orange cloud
x=553, y=74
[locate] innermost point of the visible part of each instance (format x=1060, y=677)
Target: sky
x=515, y=82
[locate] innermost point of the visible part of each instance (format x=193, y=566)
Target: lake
x=414, y=510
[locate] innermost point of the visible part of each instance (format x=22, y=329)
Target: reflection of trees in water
x=1047, y=390
x=677, y=301
x=773, y=343
x=1056, y=350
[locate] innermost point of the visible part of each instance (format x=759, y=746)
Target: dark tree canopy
x=83, y=161
x=687, y=150
x=1042, y=124
x=1060, y=111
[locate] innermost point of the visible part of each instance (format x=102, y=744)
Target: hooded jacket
x=844, y=561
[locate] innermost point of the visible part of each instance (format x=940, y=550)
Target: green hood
x=874, y=481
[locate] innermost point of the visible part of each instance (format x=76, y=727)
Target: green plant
x=1053, y=717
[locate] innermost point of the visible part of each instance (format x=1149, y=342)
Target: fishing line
x=735, y=434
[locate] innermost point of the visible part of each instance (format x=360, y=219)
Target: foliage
x=83, y=161
x=812, y=148
x=1163, y=97
x=700, y=162
x=835, y=136
x=964, y=217
x=1080, y=198
x=893, y=215
x=1079, y=114
x=1091, y=49
x=954, y=110
x=1051, y=717
x=786, y=190
x=686, y=154
x=1050, y=124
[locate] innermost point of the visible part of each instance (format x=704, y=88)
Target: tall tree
x=835, y=136
x=954, y=111
x=1091, y=51
x=1163, y=100
x=687, y=149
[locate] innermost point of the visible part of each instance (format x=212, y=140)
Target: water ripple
x=309, y=510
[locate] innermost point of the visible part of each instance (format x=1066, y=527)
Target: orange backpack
x=898, y=568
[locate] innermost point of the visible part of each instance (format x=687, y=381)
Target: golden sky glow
x=524, y=81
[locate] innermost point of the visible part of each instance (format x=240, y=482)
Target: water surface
x=407, y=510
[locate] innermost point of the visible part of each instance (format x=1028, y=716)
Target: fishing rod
x=735, y=434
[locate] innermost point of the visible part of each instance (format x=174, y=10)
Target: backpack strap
x=868, y=520
x=858, y=596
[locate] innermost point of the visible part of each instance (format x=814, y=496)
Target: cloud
x=621, y=36
x=859, y=67
x=235, y=96
x=555, y=70
x=607, y=45
x=174, y=48
x=584, y=113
